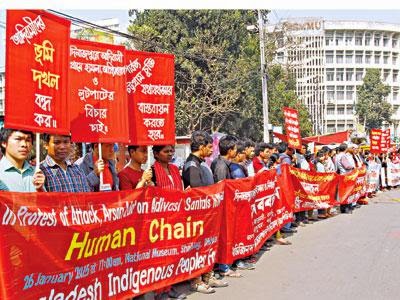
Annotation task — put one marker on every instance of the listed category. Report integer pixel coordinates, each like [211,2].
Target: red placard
[384,141]
[375,136]
[98,92]
[388,142]
[151,97]
[36,96]
[292,127]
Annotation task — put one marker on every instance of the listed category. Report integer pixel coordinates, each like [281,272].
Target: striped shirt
[60,180]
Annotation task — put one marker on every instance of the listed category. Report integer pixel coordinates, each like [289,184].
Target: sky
[382,15]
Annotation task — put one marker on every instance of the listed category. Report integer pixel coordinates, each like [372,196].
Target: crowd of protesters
[94,172]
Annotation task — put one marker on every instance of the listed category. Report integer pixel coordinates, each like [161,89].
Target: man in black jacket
[197,173]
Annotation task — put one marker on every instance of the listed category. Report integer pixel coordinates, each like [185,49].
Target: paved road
[353,256]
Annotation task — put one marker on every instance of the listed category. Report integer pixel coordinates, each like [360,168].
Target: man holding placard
[15,171]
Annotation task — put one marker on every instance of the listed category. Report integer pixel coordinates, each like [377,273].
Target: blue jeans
[223,268]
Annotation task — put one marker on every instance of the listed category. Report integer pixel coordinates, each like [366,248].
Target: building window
[330,110]
[340,127]
[329,41]
[358,39]
[349,110]
[340,92]
[349,57]
[349,40]
[394,43]
[330,128]
[385,41]
[339,74]
[339,57]
[377,58]
[329,57]
[395,96]
[349,75]
[386,75]
[349,93]
[339,39]
[340,111]
[359,59]
[395,75]
[368,59]
[367,39]
[330,74]
[386,58]
[377,40]
[359,75]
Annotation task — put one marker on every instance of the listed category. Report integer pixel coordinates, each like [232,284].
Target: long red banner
[122,244]
[309,190]
[103,245]
[36,91]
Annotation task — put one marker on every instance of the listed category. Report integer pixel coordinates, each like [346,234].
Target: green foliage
[281,93]
[217,68]
[372,108]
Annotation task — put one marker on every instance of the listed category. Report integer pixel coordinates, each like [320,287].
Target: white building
[97,35]
[329,60]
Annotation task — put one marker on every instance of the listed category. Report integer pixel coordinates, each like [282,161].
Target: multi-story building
[329,60]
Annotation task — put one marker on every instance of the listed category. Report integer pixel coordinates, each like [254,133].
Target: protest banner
[254,210]
[375,136]
[292,127]
[98,92]
[385,141]
[310,190]
[105,245]
[351,186]
[36,86]
[373,173]
[393,173]
[151,98]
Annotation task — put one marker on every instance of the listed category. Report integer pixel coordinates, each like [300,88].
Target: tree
[372,108]
[281,93]
[209,46]
[217,67]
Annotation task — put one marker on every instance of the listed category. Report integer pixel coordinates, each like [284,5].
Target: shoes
[242,265]
[202,288]
[295,224]
[231,273]
[307,221]
[252,259]
[173,293]
[217,283]
[302,224]
[290,230]
[162,296]
[283,242]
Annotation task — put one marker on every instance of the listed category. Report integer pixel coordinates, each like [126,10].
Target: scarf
[162,179]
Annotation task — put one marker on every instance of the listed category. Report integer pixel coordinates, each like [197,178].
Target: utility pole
[263,77]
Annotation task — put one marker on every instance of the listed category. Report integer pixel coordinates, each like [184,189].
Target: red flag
[37,44]
[375,136]
[98,92]
[292,127]
[151,96]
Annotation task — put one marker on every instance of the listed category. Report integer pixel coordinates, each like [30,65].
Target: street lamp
[263,74]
